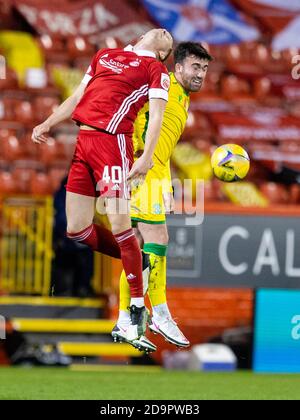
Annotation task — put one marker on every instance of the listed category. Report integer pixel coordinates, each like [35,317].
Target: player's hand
[140,168]
[169,202]
[38,133]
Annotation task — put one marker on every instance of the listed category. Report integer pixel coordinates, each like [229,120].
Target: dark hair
[185,49]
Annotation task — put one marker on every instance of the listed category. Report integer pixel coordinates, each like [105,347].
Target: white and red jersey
[119,83]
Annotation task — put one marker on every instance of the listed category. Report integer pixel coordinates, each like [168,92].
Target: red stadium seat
[263,91]
[6,132]
[22,177]
[40,184]
[56,175]
[197,126]
[12,149]
[247,59]
[111,42]
[218,53]
[7,183]
[237,90]
[30,149]
[276,193]
[24,112]
[44,106]
[78,46]
[54,50]
[232,85]
[210,192]
[10,81]
[52,152]
[295,194]
[7,109]
[51,44]
[69,142]
[276,63]
[262,87]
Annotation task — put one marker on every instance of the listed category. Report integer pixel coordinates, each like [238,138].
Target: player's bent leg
[119,333]
[118,214]
[155,245]
[80,226]
[161,321]
[79,212]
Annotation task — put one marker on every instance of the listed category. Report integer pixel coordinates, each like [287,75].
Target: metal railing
[26,245]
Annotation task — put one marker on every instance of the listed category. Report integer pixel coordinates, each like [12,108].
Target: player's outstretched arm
[144,163]
[63,112]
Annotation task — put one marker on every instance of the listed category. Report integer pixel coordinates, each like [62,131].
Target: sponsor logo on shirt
[112,64]
[165,81]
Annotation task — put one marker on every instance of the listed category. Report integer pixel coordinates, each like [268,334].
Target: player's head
[191,65]
[159,41]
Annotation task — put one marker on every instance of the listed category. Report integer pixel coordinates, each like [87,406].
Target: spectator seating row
[29,181]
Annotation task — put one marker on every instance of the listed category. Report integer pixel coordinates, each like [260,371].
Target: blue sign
[277,331]
[211,21]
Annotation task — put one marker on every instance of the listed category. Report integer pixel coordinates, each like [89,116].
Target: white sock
[124,319]
[161,311]
[138,302]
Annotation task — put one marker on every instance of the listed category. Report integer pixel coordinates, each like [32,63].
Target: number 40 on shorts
[112,174]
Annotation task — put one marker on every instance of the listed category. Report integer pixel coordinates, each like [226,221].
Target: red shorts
[101,164]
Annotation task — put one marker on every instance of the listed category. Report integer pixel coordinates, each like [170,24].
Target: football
[230,163]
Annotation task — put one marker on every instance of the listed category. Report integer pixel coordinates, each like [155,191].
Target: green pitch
[134,383]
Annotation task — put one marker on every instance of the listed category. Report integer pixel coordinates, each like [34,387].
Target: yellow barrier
[26,245]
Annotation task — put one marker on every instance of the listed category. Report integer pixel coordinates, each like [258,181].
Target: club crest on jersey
[165,81]
[135,63]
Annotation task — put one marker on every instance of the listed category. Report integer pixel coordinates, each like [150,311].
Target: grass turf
[64,384]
